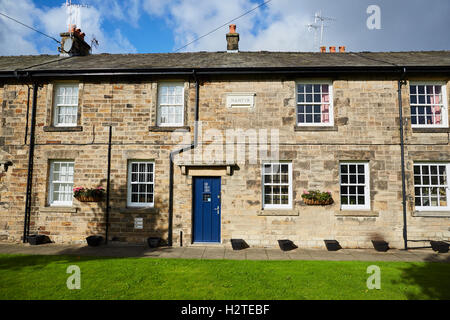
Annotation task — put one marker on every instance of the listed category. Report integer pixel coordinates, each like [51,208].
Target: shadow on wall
[122,220]
[432,278]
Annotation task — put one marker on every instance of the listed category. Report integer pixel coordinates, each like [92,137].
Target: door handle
[217,209]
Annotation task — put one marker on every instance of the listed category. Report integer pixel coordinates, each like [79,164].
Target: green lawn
[44,277]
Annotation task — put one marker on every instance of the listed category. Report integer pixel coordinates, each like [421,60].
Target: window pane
[142,176]
[276,183]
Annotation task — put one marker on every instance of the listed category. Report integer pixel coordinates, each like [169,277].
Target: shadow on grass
[432,278]
[28,258]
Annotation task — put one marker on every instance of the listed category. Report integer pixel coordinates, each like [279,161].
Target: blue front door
[206,209]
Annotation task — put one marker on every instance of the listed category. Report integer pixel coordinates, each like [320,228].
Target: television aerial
[318,24]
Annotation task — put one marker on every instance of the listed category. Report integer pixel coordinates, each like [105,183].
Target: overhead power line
[29,27]
[206,34]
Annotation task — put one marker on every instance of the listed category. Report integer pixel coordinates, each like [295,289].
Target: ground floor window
[354,183]
[61,183]
[431,186]
[140,183]
[277,189]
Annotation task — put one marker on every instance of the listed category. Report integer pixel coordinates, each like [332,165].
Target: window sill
[430,130]
[315,128]
[68,209]
[434,214]
[168,129]
[356,213]
[137,210]
[278,212]
[63,129]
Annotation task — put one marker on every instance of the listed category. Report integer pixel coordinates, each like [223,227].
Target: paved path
[206,252]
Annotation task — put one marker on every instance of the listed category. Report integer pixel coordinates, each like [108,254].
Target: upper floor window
[277,185]
[140,183]
[314,104]
[171,104]
[428,105]
[355,193]
[66,104]
[431,186]
[61,183]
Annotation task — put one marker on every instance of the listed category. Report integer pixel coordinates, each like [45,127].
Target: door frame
[193,210]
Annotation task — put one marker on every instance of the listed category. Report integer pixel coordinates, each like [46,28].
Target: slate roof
[223,60]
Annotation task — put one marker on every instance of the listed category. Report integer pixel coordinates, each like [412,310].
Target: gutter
[175,152]
[228,71]
[402,82]
[108,184]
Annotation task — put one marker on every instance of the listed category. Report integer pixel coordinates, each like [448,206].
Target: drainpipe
[175,152]
[28,112]
[402,82]
[108,185]
[26,224]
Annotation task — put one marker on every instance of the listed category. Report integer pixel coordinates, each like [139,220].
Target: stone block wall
[366,127]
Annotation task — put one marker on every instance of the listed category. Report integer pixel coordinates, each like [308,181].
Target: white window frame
[278,206]
[444,107]
[51,200]
[331,108]
[434,208]
[129,184]
[56,106]
[366,205]
[181,106]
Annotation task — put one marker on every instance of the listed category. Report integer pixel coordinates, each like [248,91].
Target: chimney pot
[342,49]
[323,49]
[77,46]
[232,39]
[333,49]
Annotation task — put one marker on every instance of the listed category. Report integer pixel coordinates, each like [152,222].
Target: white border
[444,112]
[55,107]
[330,92]
[434,208]
[50,188]
[139,204]
[158,108]
[277,206]
[366,206]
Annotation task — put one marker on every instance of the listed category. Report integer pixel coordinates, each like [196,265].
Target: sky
[147,26]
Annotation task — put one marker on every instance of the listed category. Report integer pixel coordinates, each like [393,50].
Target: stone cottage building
[204,147]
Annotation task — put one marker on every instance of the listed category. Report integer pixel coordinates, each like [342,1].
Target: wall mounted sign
[241,100]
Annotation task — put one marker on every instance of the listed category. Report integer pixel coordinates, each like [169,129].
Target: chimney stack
[232,39]
[323,49]
[73,44]
[342,49]
[333,49]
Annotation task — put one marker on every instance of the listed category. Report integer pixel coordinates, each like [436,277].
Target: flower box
[380,245]
[286,245]
[88,194]
[239,244]
[89,198]
[314,202]
[37,239]
[332,245]
[439,246]
[153,242]
[94,241]
[317,198]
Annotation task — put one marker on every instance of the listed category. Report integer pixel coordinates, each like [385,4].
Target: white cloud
[53,21]
[279,26]
[15,38]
